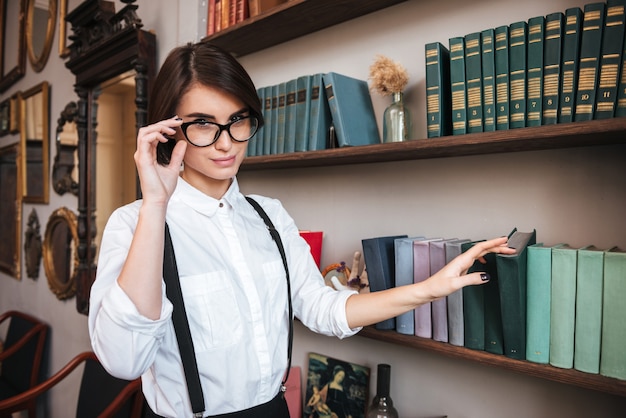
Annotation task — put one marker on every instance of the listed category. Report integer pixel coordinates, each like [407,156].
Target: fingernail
[176,117]
[484,277]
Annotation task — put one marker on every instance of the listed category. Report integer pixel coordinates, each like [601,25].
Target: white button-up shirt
[235,292]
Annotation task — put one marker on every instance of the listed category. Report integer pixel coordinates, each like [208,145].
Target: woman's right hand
[158,181]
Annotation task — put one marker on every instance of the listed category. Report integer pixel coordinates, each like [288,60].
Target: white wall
[574,195]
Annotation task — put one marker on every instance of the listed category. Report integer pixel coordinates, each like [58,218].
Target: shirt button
[221,205]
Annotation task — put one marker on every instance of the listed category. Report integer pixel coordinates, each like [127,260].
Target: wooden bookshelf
[291,20]
[567,135]
[566,376]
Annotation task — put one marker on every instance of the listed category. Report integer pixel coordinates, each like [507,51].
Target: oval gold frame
[39,62]
[62,289]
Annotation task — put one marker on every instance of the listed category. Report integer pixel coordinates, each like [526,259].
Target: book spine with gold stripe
[473,77]
[588,69]
[438,98]
[552,67]
[610,59]
[534,77]
[569,64]
[501,58]
[518,42]
[489,80]
[457,85]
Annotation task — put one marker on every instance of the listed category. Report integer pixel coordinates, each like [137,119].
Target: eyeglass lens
[204,133]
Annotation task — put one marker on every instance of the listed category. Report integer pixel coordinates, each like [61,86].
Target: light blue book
[303,110]
[319,118]
[403,247]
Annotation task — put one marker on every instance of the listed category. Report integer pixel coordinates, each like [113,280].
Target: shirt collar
[200,202]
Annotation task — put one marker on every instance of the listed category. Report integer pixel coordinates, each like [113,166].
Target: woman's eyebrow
[200,115]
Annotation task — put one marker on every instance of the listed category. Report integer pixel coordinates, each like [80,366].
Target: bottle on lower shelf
[382,404]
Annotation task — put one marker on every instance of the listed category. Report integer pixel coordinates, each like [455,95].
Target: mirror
[32,245]
[64,169]
[41,19]
[12,53]
[60,255]
[10,210]
[35,142]
[106,45]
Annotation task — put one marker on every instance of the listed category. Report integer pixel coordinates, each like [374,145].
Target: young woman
[204,109]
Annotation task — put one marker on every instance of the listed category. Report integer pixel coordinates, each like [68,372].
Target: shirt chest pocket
[212,311]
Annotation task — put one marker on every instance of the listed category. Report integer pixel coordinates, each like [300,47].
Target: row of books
[299,114]
[552,305]
[224,13]
[558,68]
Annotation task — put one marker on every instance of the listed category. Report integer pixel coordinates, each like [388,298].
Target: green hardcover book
[552,67]
[319,118]
[303,110]
[502,77]
[438,98]
[474,308]
[538,301]
[278,145]
[612,358]
[588,327]
[474,82]
[518,42]
[610,59]
[290,116]
[534,77]
[563,306]
[512,278]
[489,79]
[494,335]
[269,146]
[457,85]
[590,51]
[569,64]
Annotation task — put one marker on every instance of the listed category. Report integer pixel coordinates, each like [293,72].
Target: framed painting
[12,42]
[5,117]
[10,210]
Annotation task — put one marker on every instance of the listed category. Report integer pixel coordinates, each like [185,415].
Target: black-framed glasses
[202,133]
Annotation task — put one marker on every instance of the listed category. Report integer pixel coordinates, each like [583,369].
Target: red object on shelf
[314,239]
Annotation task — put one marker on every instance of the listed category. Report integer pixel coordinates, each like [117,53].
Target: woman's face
[210,169]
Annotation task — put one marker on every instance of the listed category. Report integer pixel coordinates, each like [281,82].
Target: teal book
[253,143]
[588,326]
[456,334]
[612,358]
[489,79]
[569,64]
[534,77]
[589,67]
[610,60]
[438,97]
[303,110]
[563,306]
[267,116]
[457,85]
[552,67]
[474,82]
[620,106]
[319,118]
[290,116]
[473,308]
[538,302]
[403,252]
[501,58]
[379,258]
[512,280]
[421,272]
[351,109]
[270,145]
[518,42]
[280,124]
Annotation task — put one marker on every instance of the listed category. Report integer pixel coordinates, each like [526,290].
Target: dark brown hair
[202,63]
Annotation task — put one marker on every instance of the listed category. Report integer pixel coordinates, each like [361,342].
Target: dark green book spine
[569,64]
[457,85]
[552,67]
[473,77]
[502,77]
[590,47]
[518,41]
[438,97]
[534,79]
[610,60]
[489,80]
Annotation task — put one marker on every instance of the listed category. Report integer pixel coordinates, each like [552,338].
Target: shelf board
[566,135]
[291,20]
[566,376]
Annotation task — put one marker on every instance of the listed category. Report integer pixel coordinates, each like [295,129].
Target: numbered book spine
[457,83]
[502,77]
[438,98]
[290,117]
[279,142]
[489,80]
[518,41]
[536,30]
[303,110]
[254,141]
[569,64]
[610,60]
[590,47]
[552,67]
[473,79]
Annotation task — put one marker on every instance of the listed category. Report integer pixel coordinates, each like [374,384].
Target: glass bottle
[382,405]
[397,120]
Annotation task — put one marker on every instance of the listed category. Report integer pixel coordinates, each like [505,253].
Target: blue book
[267,129]
[278,145]
[303,110]
[290,116]
[403,251]
[253,142]
[270,145]
[319,118]
[352,110]
[456,334]
[439,307]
